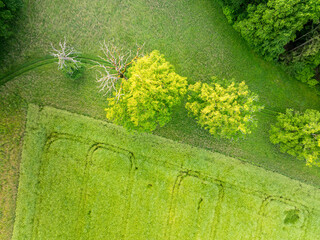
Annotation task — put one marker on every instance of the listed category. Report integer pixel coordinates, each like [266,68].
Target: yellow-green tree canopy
[150,93]
[226,109]
[298,134]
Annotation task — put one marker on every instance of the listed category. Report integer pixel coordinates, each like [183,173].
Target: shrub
[298,134]
[305,72]
[225,108]
[150,93]
[73,70]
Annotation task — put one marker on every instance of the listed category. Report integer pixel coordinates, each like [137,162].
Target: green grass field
[194,36]
[85,179]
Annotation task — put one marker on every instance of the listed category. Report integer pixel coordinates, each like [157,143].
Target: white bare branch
[64,54]
[113,73]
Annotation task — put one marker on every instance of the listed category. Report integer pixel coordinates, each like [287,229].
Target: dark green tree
[8,12]
[269,26]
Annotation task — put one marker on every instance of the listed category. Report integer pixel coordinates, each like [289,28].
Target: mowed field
[85,179]
[194,36]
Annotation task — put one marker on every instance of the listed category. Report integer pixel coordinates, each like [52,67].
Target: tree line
[143,91]
[283,31]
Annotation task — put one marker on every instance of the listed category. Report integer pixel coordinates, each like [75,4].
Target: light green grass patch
[87,179]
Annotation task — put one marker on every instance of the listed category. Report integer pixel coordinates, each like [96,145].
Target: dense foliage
[8,11]
[307,70]
[298,134]
[285,31]
[226,108]
[270,26]
[236,10]
[150,93]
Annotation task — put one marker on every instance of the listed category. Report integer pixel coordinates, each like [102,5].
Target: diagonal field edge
[243,191]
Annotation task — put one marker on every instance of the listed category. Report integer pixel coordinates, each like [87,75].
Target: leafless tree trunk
[65,54]
[112,74]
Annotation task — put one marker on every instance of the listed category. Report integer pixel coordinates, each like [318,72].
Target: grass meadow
[102,182]
[192,34]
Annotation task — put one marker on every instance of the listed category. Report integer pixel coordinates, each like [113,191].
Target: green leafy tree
[305,70]
[284,31]
[269,26]
[149,94]
[236,10]
[8,12]
[298,134]
[225,108]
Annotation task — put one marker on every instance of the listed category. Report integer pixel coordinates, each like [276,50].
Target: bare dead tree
[65,54]
[112,73]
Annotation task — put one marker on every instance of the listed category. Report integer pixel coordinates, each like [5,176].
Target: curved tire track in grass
[25,68]
[48,59]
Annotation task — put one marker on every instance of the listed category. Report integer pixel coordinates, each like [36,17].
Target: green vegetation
[269,34]
[195,38]
[8,12]
[225,108]
[9,15]
[236,10]
[298,134]
[152,90]
[105,183]
[288,31]
[73,71]
[305,59]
